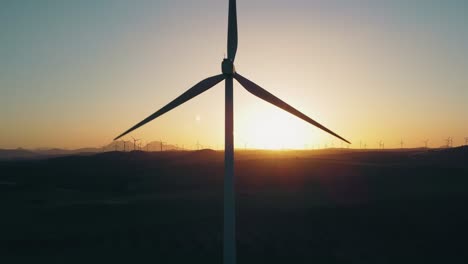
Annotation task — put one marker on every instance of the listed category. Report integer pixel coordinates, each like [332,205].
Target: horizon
[77,74]
[175,147]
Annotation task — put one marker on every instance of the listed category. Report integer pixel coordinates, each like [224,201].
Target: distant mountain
[18,153]
[9,154]
[129,146]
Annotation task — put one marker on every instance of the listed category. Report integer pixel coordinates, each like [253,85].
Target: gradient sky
[78,73]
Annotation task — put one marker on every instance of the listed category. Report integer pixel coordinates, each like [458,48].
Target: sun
[273,129]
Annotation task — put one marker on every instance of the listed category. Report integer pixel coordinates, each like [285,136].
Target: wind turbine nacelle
[228,67]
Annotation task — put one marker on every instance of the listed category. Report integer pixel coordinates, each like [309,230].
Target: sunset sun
[270,128]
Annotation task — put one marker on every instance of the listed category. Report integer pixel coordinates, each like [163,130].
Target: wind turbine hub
[228,67]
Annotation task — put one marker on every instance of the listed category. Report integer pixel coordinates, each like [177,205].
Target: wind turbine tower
[162,144]
[229,74]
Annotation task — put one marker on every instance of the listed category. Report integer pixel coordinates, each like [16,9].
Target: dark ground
[292,207]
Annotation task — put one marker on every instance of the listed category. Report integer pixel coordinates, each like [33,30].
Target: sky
[78,73]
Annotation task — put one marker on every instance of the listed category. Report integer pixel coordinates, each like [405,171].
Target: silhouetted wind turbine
[449,142]
[426,143]
[134,142]
[381,144]
[228,75]
[125,145]
[162,144]
[401,143]
[466,141]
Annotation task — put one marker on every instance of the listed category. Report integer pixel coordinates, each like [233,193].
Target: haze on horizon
[77,73]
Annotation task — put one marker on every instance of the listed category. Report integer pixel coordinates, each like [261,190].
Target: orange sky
[78,74]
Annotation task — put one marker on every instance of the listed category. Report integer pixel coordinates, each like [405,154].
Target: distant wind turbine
[228,75]
[381,144]
[466,141]
[162,144]
[401,143]
[426,143]
[134,142]
[125,145]
[449,141]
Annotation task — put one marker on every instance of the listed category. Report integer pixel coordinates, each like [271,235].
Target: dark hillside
[300,207]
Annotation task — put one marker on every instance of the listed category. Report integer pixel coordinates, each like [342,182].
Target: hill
[333,206]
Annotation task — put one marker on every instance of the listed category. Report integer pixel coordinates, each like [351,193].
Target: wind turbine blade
[265,95]
[189,94]
[232,30]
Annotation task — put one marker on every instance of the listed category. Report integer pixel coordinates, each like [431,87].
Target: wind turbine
[401,143]
[134,143]
[162,144]
[228,75]
[449,142]
[466,141]
[125,145]
[380,144]
[426,143]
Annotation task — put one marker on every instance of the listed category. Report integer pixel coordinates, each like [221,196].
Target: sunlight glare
[271,128]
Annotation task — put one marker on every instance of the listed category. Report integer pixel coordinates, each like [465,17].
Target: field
[328,206]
